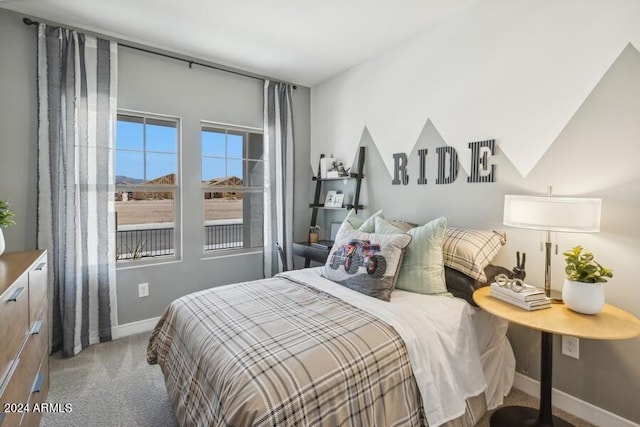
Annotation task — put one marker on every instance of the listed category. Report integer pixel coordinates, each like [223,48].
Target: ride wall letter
[448,165]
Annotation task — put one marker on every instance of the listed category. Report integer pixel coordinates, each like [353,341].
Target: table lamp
[547,213]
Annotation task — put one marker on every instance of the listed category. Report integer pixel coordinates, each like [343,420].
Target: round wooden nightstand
[612,323]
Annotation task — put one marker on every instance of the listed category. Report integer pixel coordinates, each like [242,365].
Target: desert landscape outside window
[232,187]
[147,190]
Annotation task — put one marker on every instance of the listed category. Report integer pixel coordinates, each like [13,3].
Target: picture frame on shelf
[329,200]
[337,200]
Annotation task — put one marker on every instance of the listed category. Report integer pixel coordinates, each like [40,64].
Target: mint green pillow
[422,269]
[369,224]
[353,222]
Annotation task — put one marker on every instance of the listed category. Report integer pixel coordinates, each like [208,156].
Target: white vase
[585,298]
[1,242]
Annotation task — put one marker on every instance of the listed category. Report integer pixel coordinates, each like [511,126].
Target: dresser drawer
[37,288]
[14,323]
[16,394]
[25,375]
[39,393]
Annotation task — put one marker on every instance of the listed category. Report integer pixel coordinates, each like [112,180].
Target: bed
[298,349]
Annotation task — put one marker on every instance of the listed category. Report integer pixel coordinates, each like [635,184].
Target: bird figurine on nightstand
[518,270]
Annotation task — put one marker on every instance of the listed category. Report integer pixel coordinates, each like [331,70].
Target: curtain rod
[28,21]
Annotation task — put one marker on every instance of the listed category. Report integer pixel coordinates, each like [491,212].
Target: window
[232,187]
[146,169]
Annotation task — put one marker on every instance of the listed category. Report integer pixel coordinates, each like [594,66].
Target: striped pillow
[470,251]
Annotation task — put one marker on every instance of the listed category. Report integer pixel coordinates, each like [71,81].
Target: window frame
[206,125]
[175,188]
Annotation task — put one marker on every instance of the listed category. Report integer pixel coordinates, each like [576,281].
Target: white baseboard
[134,328]
[588,412]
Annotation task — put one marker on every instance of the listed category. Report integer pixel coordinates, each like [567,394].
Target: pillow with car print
[367,262]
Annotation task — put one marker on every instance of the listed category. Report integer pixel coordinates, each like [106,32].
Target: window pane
[213,169]
[255,174]
[233,219]
[161,168]
[222,205]
[129,135]
[129,167]
[145,224]
[253,209]
[213,143]
[233,212]
[234,146]
[162,137]
[255,148]
[234,168]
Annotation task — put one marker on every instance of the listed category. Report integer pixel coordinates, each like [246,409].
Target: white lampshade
[569,214]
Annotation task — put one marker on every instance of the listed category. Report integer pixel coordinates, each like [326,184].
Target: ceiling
[297,41]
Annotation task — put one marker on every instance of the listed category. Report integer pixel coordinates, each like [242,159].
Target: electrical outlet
[143,290]
[571,346]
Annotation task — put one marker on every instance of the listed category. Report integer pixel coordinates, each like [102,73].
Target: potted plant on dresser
[583,291]
[6,219]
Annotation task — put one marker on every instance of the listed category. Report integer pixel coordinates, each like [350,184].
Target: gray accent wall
[18,124]
[150,83]
[146,83]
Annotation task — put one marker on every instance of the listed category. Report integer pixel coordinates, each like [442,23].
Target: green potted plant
[6,219]
[583,291]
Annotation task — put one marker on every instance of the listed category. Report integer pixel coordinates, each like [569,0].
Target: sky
[221,154]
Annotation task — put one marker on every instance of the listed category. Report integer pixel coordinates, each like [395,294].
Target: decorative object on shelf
[337,169]
[313,233]
[337,200]
[324,166]
[353,201]
[519,271]
[329,200]
[566,214]
[6,219]
[583,290]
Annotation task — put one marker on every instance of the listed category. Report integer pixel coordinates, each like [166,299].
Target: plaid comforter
[276,352]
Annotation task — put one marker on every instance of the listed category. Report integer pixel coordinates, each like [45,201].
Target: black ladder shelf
[358,175]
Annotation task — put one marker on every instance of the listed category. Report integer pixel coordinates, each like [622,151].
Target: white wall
[516,70]
[557,85]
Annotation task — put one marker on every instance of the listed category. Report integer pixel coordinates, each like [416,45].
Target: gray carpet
[111,385]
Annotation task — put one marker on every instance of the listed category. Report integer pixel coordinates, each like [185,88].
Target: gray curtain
[278,210]
[76,224]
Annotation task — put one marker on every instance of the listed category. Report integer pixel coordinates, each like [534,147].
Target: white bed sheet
[441,342]
[496,355]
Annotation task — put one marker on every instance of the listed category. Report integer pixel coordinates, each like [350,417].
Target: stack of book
[530,298]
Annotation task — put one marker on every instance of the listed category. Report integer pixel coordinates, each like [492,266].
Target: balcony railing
[223,235]
[152,240]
